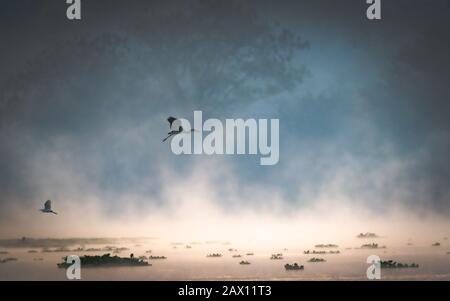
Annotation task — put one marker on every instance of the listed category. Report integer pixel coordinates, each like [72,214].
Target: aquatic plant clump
[321,252]
[157,257]
[390,264]
[8,259]
[293,267]
[106,260]
[314,259]
[372,246]
[276,256]
[328,246]
[367,235]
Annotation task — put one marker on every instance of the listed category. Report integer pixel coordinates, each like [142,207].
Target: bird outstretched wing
[171,120]
[175,123]
[48,205]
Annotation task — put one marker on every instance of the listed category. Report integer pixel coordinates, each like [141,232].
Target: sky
[363,109]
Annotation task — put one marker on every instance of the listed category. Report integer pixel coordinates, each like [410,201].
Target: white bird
[48,207]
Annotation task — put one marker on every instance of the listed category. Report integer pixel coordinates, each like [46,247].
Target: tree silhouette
[220,52]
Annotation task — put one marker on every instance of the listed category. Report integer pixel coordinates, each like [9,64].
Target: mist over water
[195,220]
[363,145]
[191,263]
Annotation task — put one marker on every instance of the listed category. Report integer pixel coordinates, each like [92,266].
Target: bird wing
[170,135]
[171,120]
[48,205]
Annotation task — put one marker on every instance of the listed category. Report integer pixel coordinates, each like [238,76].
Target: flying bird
[173,124]
[48,207]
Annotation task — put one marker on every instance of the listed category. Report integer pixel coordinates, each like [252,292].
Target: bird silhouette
[175,125]
[48,207]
